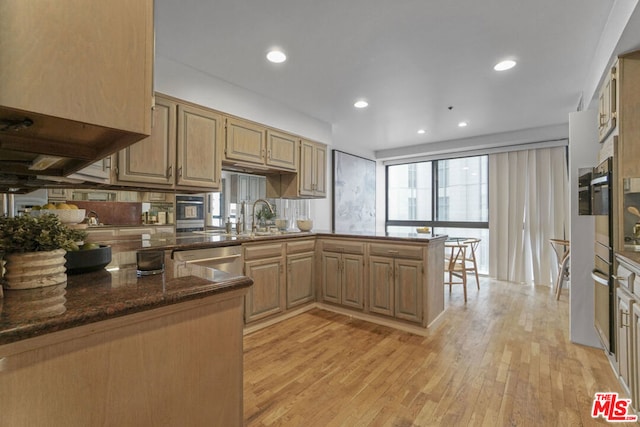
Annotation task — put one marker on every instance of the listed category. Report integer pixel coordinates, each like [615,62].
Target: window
[459,188]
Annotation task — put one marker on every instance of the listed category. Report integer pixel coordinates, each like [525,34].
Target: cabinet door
[265,296]
[607,105]
[99,172]
[320,171]
[152,160]
[381,280]
[636,352]
[331,277]
[89,62]
[353,280]
[306,171]
[299,279]
[245,141]
[408,289]
[200,135]
[623,336]
[282,150]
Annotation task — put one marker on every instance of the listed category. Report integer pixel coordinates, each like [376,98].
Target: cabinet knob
[170,171]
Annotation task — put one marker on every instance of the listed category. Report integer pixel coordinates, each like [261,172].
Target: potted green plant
[34,250]
[265,216]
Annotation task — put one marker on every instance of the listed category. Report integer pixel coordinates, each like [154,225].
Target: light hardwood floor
[503,359]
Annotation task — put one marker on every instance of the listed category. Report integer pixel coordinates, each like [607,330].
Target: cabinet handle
[107,163]
[392,252]
[180,171]
[602,117]
[624,315]
[269,154]
[170,171]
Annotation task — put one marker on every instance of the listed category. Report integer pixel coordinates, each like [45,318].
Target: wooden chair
[455,260]
[561,249]
[471,262]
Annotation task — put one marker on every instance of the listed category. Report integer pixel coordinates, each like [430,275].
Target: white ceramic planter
[32,270]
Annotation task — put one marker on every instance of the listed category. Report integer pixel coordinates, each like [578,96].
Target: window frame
[435,201]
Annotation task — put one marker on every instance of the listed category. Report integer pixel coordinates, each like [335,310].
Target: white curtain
[528,205]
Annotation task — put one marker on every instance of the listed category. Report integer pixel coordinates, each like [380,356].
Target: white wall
[583,153]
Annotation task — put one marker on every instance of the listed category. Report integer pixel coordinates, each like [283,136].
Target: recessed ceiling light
[421,131]
[505,65]
[361,104]
[462,124]
[276,56]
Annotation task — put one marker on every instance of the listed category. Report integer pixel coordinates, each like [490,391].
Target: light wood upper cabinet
[99,172]
[310,181]
[183,151]
[313,161]
[255,146]
[81,72]
[152,160]
[245,142]
[282,150]
[607,104]
[200,135]
[628,125]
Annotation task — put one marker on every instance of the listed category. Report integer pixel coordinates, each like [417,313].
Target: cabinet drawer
[396,251]
[625,277]
[343,246]
[301,246]
[262,251]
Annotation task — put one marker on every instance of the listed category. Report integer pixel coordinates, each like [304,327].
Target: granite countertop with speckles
[117,291]
[105,294]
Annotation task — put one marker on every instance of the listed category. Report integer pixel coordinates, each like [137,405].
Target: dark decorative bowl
[85,261]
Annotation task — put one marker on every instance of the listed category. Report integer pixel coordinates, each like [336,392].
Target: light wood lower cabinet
[264,263]
[343,279]
[395,287]
[624,337]
[300,272]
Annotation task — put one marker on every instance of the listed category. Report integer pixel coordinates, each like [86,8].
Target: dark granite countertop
[105,294]
[198,240]
[117,291]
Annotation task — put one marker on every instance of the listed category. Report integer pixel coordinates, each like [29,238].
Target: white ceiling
[411,59]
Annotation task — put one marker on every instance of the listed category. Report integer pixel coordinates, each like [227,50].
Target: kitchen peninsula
[116,349]
[180,334]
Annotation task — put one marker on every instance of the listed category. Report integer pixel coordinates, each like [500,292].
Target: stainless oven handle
[220,258]
[595,275]
[600,180]
[189,202]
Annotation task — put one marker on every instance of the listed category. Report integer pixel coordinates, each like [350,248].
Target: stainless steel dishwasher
[224,258]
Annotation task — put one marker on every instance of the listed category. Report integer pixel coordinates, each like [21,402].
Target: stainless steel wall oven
[190,212]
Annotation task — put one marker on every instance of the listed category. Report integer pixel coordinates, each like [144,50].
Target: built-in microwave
[601,188]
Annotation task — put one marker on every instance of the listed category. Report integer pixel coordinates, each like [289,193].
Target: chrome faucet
[253,221]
